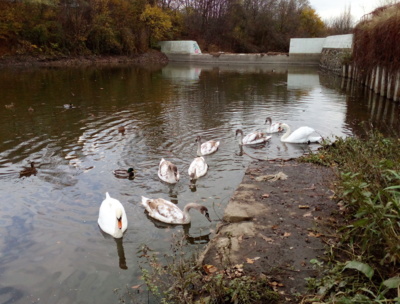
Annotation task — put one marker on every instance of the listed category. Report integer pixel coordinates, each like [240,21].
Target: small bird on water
[28,171]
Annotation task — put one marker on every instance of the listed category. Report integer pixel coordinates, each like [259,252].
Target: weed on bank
[363,267]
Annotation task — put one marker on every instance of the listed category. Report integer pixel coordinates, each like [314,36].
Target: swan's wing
[104,219]
[164,211]
[275,127]
[198,167]
[255,138]
[209,147]
[107,215]
[164,171]
[300,135]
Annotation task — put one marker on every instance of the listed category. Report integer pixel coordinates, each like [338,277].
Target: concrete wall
[302,51]
[180,47]
[306,45]
[338,42]
[336,50]
[222,58]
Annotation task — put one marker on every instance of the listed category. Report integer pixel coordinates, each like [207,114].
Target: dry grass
[375,40]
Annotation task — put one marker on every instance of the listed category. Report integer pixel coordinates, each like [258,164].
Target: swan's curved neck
[186,215]
[287,128]
[239,136]
[199,147]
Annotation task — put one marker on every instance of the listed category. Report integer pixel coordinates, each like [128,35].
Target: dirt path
[275,226]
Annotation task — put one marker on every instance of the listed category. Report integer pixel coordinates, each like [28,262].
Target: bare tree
[342,24]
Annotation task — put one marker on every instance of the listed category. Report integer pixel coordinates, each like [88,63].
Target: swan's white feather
[163,210]
[167,212]
[207,147]
[198,167]
[110,210]
[166,172]
[253,138]
[273,127]
[300,135]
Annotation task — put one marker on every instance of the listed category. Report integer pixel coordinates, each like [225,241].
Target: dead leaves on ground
[316,235]
[251,261]
[209,269]
[233,272]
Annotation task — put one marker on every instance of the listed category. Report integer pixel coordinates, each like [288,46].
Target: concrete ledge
[301,59]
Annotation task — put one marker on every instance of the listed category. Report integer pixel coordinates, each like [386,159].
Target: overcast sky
[327,9]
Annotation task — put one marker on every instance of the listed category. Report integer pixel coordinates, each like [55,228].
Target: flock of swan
[112,216]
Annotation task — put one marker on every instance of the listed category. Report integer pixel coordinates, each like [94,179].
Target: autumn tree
[311,24]
[157,23]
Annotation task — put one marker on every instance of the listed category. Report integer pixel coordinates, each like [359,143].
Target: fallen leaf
[274,227]
[265,195]
[267,239]
[317,235]
[308,214]
[209,268]
[286,234]
[136,286]
[250,261]
[276,284]
[304,207]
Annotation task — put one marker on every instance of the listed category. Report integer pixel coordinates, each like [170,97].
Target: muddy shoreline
[151,58]
[280,218]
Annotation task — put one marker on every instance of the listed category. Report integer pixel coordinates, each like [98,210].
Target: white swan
[252,138]
[168,212]
[112,217]
[197,168]
[168,172]
[207,147]
[273,127]
[300,135]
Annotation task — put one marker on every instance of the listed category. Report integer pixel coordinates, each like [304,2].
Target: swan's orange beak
[120,223]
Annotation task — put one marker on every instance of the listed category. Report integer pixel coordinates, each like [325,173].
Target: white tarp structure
[338,42]
[306,45]
[315,45]
[180,47]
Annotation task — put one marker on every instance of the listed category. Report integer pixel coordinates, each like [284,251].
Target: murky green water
[51,249]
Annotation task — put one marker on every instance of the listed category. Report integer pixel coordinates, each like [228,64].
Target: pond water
[51,249]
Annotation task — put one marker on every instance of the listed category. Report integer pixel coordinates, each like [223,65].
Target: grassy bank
[363,267]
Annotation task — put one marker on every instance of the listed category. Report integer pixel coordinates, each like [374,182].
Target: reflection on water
[50,245]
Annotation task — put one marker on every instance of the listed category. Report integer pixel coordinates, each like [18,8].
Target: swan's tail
[107,195]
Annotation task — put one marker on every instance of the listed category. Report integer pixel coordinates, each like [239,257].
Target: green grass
[364,265]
